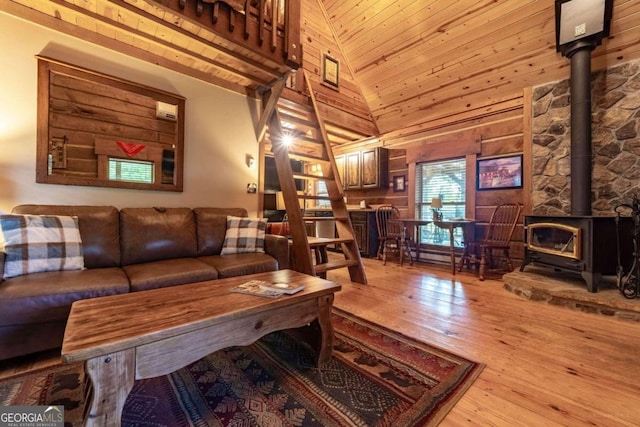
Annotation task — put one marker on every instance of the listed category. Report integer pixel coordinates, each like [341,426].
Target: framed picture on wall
[498,173]
[330,71]
[399,183]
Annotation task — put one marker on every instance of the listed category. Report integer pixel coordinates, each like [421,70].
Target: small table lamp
[436,205]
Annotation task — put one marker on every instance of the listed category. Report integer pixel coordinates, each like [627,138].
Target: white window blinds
[445,180]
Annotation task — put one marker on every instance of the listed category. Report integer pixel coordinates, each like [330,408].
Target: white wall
[218,127]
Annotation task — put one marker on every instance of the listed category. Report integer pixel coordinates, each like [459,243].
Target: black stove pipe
[581,166]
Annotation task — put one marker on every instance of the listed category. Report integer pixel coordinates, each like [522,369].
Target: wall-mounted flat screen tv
[271,182]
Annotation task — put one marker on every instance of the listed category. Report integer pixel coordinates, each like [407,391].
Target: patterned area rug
[376,377]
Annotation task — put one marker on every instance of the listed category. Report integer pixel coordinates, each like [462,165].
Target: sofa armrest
[278,247]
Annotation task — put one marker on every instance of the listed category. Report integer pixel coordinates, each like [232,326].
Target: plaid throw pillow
[37,243]
[244,235]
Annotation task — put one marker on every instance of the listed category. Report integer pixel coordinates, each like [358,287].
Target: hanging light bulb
[287,138]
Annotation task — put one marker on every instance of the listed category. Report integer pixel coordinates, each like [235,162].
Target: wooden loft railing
[250,24]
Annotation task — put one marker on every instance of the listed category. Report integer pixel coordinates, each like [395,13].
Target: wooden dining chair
[501,227]
[391,234]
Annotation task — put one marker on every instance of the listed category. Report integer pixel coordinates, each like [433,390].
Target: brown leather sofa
[127,250]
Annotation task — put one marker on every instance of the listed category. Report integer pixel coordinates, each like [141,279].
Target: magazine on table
[286,288]
[252,287]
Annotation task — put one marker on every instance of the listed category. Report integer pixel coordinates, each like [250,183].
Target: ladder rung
[318,218]
[323,218]
[309,176]
[295,120]
[334,265]
[304,156]
[294,106]
[309,139]
[311,197]
[315,242]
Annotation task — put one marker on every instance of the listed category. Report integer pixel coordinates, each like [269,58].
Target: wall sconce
[250,161]
[436,205]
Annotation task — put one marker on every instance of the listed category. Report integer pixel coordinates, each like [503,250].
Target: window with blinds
[445,180]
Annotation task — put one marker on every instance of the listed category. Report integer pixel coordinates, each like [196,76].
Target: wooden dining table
[468,226]
[468,231]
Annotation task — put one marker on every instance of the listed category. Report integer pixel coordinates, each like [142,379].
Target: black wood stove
[583,244]
[580,242]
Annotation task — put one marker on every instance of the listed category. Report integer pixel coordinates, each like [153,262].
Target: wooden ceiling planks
[419,61]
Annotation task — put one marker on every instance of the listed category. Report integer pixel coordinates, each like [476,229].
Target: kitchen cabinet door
[353,171]
[375,167]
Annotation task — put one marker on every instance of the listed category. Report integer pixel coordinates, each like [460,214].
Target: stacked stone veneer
[615,106]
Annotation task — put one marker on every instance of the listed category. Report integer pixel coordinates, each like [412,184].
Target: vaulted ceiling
[412,61]
[416,60]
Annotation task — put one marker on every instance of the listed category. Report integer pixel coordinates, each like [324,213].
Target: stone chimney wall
[615,106]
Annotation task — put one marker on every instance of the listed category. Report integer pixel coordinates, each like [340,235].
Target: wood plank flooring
[545,365]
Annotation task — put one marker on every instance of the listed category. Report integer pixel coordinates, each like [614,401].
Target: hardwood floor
[545,365]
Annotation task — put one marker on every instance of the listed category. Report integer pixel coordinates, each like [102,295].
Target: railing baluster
[261,20]
[274,24]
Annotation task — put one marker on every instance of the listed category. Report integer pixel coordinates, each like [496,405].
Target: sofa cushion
[244,235]
[170,272]
[43,297]
[99,230]
[241,264]
[37,243]
[153,234]
[211,227]
[18,340]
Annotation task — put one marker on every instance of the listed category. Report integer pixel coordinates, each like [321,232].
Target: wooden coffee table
[122,338]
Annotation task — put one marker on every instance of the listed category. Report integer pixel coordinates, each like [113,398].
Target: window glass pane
[130,170]
[445,180]
[321,190]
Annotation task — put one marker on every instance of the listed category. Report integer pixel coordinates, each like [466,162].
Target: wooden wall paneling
[470,117]
[411,189]
[346,120]
[502,145]
[445,147]
[495,197]
[397,163]
[510,126]
[470,187]
[345,107]
[527,158]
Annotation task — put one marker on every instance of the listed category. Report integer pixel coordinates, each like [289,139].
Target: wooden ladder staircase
[303,126]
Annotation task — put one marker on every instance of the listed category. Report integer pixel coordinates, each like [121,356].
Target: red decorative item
[130,148]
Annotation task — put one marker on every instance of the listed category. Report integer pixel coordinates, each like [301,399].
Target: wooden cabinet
[364,168]
[365,231]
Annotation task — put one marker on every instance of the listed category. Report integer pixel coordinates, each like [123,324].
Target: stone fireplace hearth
[567,290]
